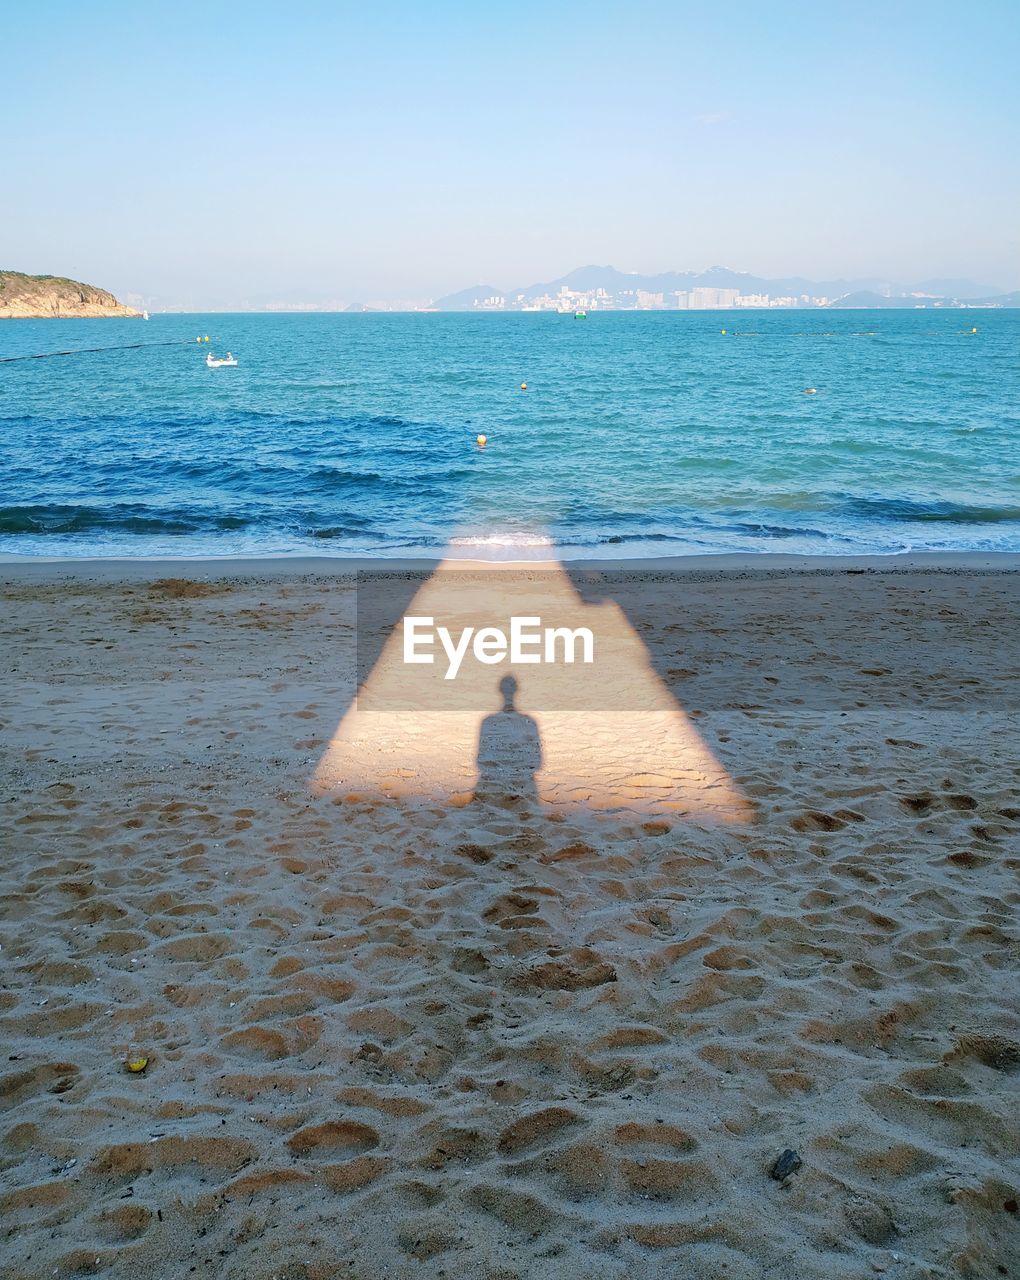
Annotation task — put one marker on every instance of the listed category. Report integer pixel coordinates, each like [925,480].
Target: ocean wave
[505,539]
[618,539]
[333,478]
[762,529]
[702,532]
[354,529]
[915,510]
[135,519]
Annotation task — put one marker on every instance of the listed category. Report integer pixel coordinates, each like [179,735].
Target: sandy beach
[413,1008]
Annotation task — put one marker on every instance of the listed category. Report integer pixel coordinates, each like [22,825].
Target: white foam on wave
[502,540]
[504,544]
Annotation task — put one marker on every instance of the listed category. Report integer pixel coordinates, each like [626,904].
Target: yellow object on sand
[136,1065]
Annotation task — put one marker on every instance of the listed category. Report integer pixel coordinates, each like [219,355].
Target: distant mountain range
[622,285]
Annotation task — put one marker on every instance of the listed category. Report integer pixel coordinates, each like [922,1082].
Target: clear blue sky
[205,153]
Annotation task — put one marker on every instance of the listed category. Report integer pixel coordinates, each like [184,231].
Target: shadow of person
[509,751]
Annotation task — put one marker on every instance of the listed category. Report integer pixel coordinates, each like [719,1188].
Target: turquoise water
[639,433]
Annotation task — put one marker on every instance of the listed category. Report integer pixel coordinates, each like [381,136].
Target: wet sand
[404,1020]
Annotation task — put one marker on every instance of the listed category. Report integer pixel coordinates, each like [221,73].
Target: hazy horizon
[325,154]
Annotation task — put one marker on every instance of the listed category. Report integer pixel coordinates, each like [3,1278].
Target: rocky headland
[25,297]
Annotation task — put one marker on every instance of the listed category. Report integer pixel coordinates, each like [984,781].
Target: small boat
[580,315]
[145,315]
[212,363]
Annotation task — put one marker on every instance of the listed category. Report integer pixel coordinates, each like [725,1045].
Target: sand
[406,1015]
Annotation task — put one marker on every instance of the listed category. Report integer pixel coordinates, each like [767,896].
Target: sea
[623,434]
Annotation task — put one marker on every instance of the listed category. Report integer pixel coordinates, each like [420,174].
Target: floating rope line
[84,351]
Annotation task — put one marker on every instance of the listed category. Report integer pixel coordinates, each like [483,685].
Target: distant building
[704,299]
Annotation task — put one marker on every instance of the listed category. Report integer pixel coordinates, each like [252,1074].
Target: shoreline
[15,568]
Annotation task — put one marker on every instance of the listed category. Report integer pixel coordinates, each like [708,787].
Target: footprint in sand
[335,1136]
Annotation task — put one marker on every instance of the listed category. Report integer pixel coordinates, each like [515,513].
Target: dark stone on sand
[789,1162]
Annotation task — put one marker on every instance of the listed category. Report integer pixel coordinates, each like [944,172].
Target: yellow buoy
[524,386]
[974,330]
[722,330]
[481,441]
[207,337]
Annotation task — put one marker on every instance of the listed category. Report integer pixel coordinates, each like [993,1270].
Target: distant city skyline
[197,156]
[596,288]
